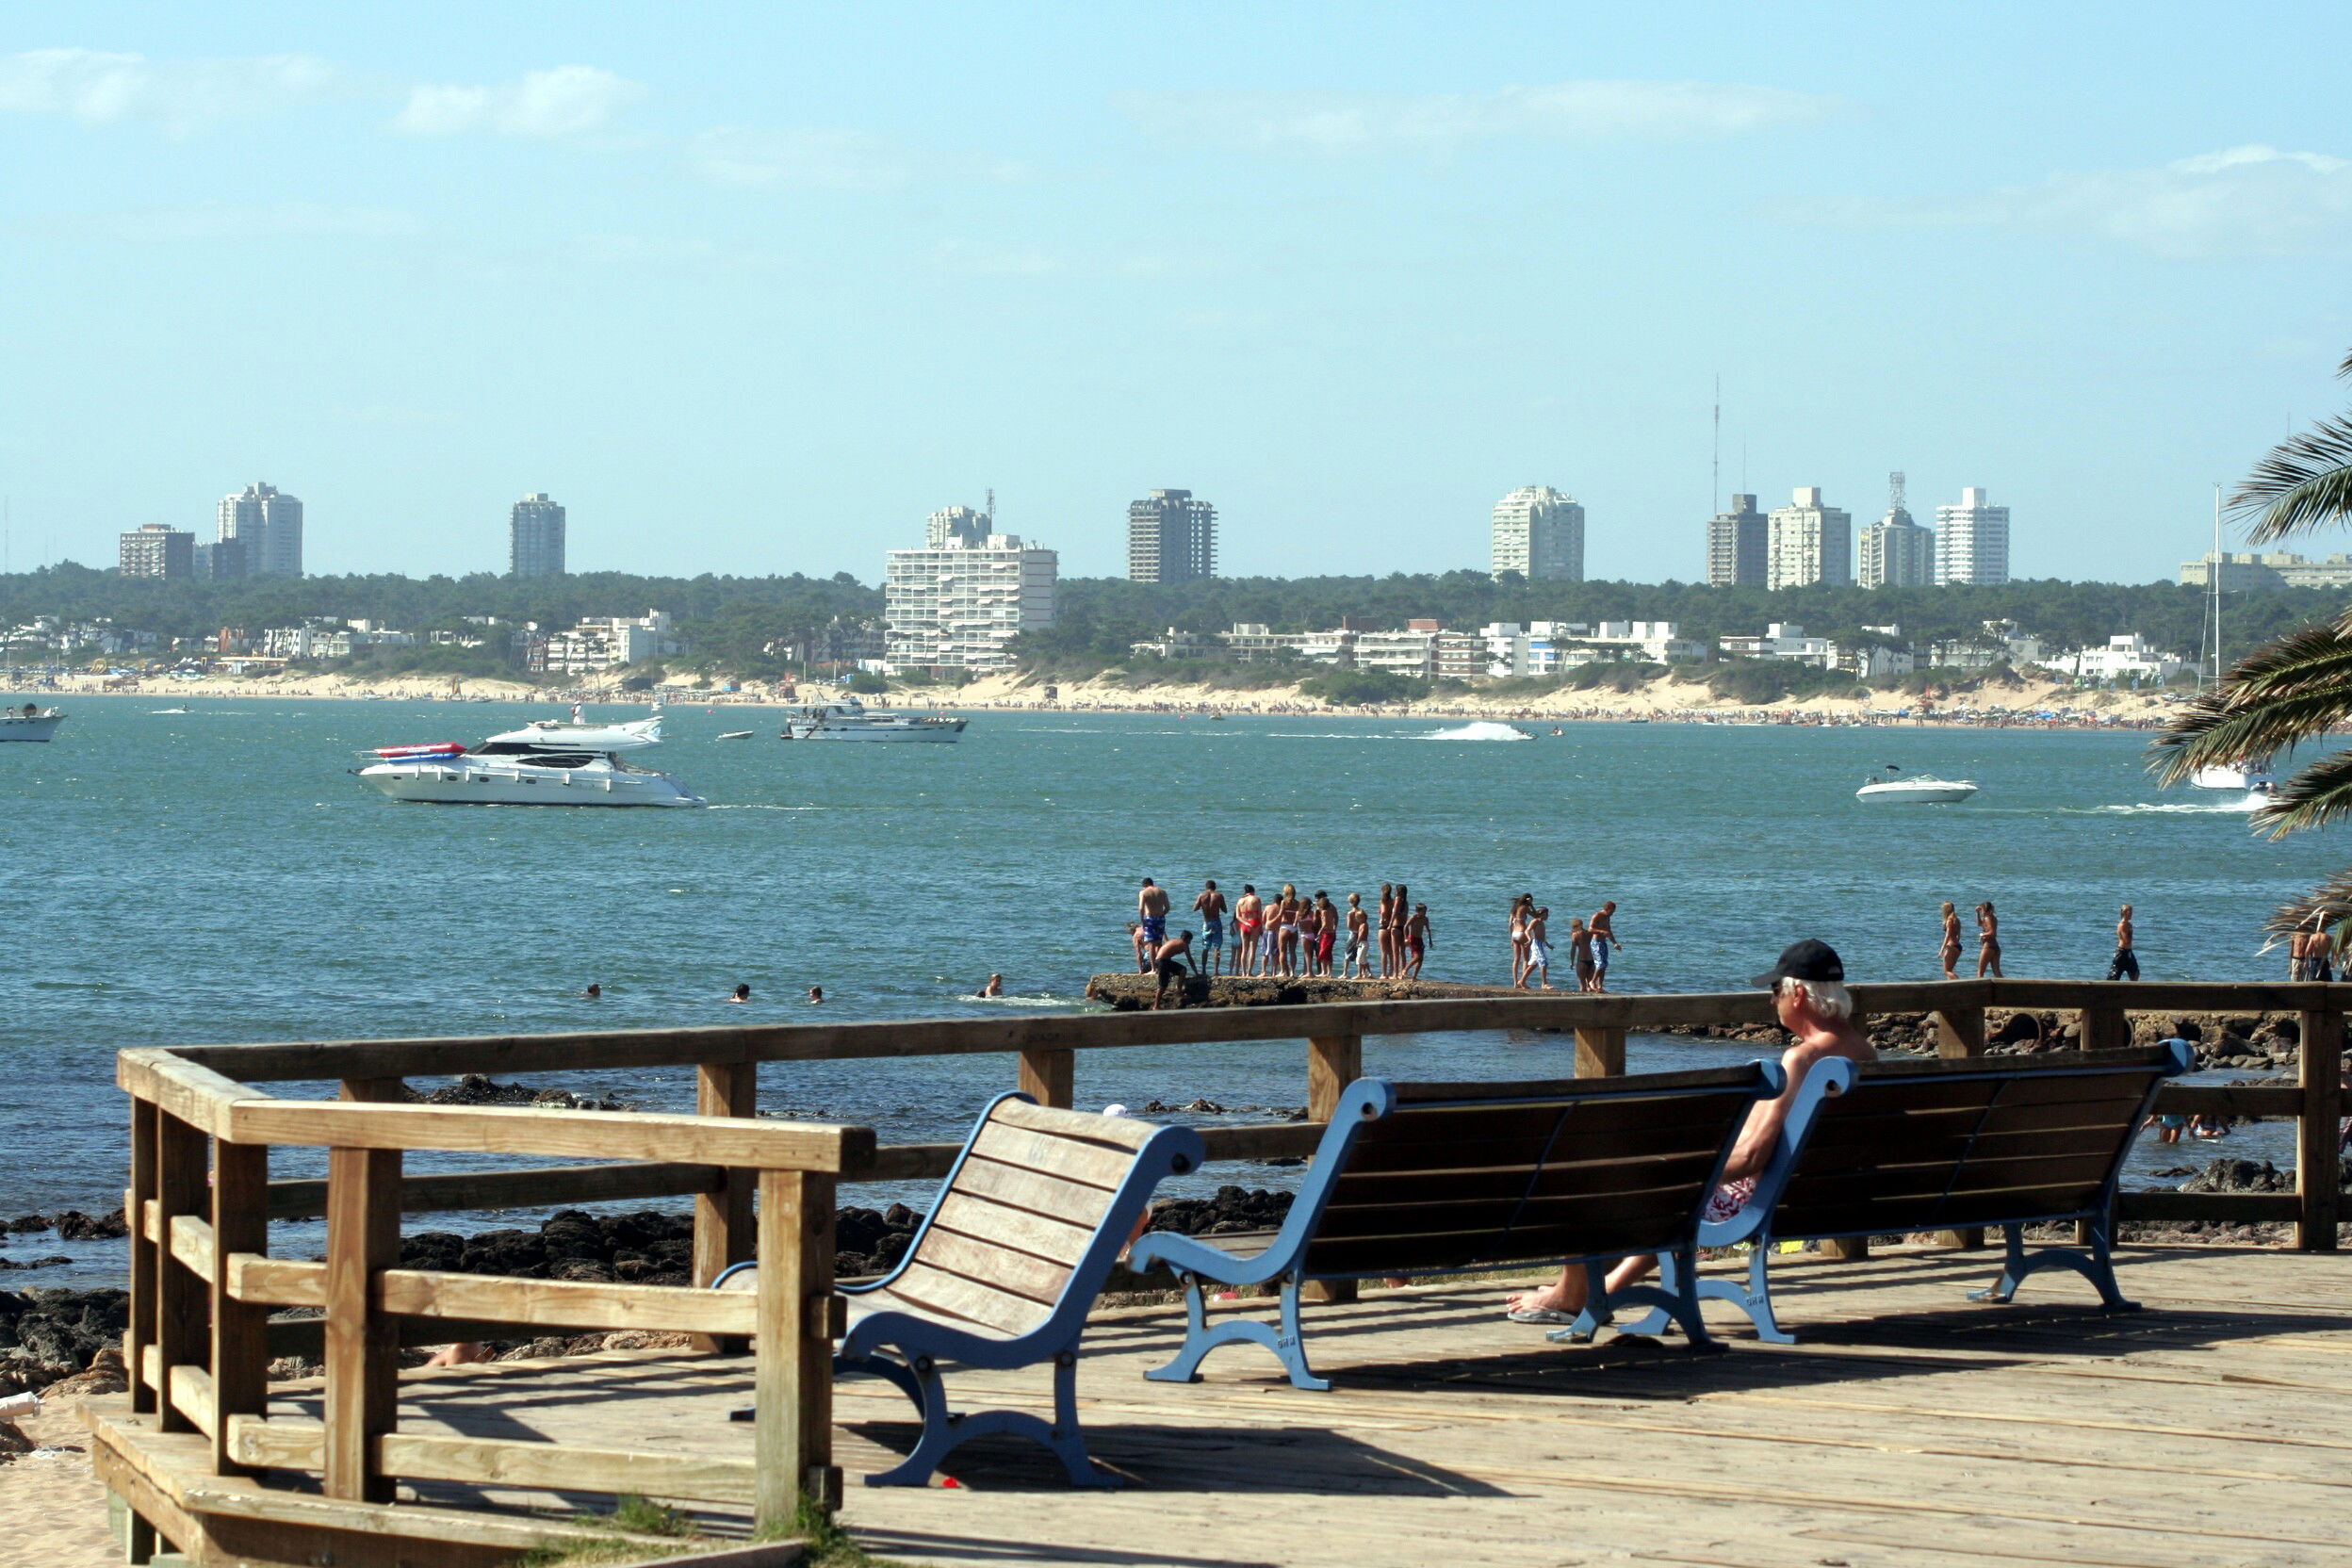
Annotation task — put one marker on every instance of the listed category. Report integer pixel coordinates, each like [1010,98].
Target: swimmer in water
[743,993]
[816,996]
[994,988]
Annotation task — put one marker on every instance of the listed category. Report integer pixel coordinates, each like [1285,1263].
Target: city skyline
[799,264]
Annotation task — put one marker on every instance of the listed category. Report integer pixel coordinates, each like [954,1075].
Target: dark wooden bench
[1450,1178]
[1891,1147]
[1026,1228]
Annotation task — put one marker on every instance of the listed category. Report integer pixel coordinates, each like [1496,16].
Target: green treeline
[730,620]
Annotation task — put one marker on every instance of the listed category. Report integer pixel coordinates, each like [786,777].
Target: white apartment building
[607,643]
[2129,658]
[1972,541]
[1539,534]
[2266,572]
[1781,639]
[1411,653]
[959,606]
[267,529]
[1808,541]
[1896,552]
[534,537]
[1546,647]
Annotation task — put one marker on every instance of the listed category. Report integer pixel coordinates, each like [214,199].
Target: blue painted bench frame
[1201,1264]
[1835,1077]
[922,1343]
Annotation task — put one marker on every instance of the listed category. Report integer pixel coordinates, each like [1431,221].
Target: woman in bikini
[1310,933]
[1385,928]
[1951,941]
[1249,918]
[1988,935]
[1519,908]
[1286,931]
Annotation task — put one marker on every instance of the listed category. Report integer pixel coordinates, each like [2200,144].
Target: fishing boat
[1918,789]
[31,722]
[846,719]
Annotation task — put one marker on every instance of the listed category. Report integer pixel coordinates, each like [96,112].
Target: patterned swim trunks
[1728,1200]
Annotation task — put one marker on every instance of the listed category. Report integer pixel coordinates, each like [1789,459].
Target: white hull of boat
[2231,775]
[39,728]
[881,729]
[1916,791]
[502,781]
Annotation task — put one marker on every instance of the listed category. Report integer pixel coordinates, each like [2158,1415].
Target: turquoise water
[217,875]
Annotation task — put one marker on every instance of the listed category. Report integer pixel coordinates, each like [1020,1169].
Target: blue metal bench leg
[2097,1265]
[1754,1299]
[944,1430]
[1287,1341]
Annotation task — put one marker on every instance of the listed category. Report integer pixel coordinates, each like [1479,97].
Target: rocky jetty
[1128,993]
[49,1335]
[476,1089]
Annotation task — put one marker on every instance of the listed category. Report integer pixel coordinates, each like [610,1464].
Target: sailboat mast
[2212,585]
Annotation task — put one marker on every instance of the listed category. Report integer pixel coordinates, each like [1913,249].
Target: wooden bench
[1450,1178]
[1002,1271]
[1889,1146]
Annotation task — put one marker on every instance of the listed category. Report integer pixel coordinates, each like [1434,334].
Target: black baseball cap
[1811,959]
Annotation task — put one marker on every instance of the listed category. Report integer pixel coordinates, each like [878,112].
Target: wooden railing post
[1600,1052]
[363,1383]
[1051,1078]
[723,1222]
[145,1274]
[792,1375]
[1960,1034]
[1334,1062]
[240,1333]
[183,1300]
[2316,1159]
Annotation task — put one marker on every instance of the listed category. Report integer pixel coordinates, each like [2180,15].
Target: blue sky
[753,289]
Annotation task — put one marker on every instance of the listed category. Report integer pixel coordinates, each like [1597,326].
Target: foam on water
[1483,729]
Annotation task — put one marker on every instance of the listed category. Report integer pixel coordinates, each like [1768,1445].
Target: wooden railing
[203,1284]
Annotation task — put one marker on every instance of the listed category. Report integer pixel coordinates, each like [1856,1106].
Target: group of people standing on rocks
[1588,945]
[1289,936]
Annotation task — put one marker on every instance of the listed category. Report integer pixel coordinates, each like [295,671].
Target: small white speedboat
[31,722]
[2249,774]
[1918,789]
[848,720]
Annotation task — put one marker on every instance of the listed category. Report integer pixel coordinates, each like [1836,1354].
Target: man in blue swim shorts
[1211,908]
[1151,911]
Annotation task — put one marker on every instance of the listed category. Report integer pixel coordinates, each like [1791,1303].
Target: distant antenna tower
[991,509]
[1894,491]
[1715,478]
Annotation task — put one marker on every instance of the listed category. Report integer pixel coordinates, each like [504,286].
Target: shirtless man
[1151,911]
[994,988]
[1167,963]
[2127,963]
[1809,988]
[1581,952]
[1327,923]
[1388,930]
[1249,917]
[1604,930]
[1416,940]
[1143,949]
[1211,908]
[1359,939]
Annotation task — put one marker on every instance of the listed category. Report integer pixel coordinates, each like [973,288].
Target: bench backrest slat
[1094,1165]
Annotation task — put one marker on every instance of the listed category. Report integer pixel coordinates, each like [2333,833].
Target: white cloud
[832,160]
[98,88]
[2242,202]
[567,101]
[1347,122]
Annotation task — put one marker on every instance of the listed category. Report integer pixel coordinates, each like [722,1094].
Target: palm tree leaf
[2304,482]
[2314,796]
[2283,693]
[2329,904]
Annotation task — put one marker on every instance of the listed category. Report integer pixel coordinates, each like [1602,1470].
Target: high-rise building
[958,605]
[534,538]
[1895,551]
[267,526]
[157,550]
[1171,537]
[1539,534]
[1972,540]
[1808,542]
[1737,555]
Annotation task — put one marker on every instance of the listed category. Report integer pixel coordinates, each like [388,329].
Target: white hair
[1826,997]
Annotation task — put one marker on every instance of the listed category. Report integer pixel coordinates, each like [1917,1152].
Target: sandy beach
[53,1510]
[1664,700]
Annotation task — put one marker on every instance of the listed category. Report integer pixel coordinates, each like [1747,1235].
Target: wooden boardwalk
[1911,1426]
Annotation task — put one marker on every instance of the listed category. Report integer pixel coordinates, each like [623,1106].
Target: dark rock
[571,1234]
[2240,1176]
[890,1249]
[443,1250]
[857,1231]
[505,1252]
[33,1263]
[2188,1029]
[1232,1209]
[74,1225]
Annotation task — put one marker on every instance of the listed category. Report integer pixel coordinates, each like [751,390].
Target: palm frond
[2313,797]
[2329,904]
[2305,482]
[2280,695]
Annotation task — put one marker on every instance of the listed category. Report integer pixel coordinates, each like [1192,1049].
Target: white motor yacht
[1918,789]
[31,722]
[522,773]
[2249,774]
[846,719]
[579,732]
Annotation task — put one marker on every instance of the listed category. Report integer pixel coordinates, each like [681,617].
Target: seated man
[1809,994]
[1167,963]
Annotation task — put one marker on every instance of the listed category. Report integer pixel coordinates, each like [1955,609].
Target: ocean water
[216,874]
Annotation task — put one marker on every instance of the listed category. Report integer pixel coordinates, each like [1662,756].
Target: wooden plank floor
[1912,1427]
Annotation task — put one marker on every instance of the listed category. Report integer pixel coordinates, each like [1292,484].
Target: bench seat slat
[1067,1201]
[1040,1236]
[1091,1165]
[993,1264]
